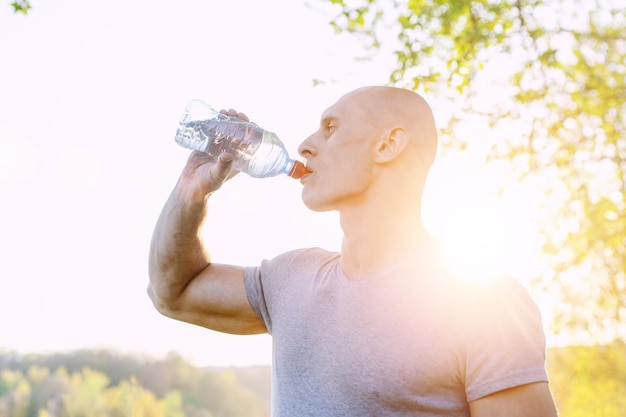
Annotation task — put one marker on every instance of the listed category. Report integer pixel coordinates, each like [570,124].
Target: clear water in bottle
[256,151]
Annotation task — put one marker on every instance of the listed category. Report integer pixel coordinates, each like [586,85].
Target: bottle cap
[298,170]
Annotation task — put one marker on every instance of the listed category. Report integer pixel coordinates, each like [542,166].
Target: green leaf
[22,6]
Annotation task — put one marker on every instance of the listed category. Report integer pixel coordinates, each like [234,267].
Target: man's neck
[371,243]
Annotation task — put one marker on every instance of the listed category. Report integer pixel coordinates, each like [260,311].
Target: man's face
[340,155]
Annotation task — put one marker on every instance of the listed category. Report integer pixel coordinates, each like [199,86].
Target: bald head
[391,107]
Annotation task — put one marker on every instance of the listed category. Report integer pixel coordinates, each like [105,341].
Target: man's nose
[306,149]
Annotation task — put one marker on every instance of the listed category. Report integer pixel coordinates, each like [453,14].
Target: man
[381,328]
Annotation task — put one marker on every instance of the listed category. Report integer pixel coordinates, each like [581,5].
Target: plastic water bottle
[256,151]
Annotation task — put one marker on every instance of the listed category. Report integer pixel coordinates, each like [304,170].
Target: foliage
[585,381]
[549,78]
[103,384]
[589,380]
[21,6]
[40,393]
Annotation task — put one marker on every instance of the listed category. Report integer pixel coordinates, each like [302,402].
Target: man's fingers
[221,171]
[235,113]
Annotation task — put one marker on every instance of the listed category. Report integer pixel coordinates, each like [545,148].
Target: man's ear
[391,145]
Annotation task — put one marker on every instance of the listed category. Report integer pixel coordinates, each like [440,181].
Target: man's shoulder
[302,256]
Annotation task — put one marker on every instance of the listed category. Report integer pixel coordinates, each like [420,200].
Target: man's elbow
[161,304]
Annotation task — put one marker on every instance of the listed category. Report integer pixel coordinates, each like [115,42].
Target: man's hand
[203,172]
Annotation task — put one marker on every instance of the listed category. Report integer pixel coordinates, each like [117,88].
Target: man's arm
[531,400]
[184,283]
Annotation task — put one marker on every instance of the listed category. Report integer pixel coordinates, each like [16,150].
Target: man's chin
[315,204]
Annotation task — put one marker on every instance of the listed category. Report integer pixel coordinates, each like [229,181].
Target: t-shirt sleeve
[275,287]
[269,285]
[504,340]
[256,296]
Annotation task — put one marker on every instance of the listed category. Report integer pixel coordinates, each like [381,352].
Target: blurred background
[530,180]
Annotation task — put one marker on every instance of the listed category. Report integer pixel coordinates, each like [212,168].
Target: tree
[40,393]
[589,380]
[101,383]
[21,6]
[559,111]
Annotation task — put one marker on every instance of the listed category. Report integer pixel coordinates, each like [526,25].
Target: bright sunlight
[485,234]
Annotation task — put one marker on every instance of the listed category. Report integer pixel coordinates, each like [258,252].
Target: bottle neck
[295,169]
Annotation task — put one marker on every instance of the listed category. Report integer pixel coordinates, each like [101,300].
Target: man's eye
[330,127]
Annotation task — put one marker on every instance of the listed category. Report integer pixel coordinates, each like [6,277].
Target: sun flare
[483,235]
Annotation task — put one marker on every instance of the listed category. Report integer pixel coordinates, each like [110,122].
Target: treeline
[100,383]
[585,380]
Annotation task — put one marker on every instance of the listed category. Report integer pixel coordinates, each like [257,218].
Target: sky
[90,99]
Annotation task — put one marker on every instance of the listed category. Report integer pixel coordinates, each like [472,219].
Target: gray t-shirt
[410,340]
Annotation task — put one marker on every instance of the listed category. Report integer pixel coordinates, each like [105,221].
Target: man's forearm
[177,253]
